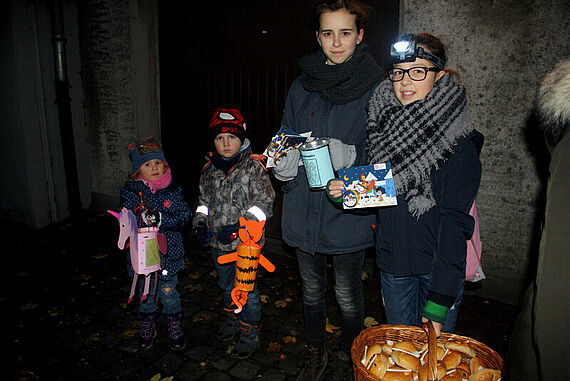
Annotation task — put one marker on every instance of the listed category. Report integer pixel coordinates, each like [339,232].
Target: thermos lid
[314,144]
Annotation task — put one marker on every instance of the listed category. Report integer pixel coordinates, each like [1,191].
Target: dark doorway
[237,54]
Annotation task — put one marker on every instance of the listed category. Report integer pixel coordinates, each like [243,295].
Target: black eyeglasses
[416,73]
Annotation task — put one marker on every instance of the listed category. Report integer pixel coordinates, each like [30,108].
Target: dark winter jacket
[436,242]
[174,212]
[226,198]
[310,221]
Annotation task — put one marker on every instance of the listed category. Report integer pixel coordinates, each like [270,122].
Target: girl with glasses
[419,122]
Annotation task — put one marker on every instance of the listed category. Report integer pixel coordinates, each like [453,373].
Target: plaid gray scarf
[416,139]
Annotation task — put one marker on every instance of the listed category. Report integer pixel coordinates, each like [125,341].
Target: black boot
[248,341]
[315,363]
[148,330]
[230,327]
[342,366]
[177,339]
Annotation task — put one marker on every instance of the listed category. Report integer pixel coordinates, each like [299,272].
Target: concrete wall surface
[502,50]
[35,191]
[118,50]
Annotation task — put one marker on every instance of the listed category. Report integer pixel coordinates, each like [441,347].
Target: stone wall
[501,49]
[118,49]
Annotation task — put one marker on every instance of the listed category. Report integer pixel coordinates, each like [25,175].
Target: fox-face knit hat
[141,152]
[228,120]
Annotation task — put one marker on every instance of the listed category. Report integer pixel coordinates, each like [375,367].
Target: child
[232,185]
[157,201]
[419,122]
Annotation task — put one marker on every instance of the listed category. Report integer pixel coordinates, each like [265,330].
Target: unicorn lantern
[144,244]
[247,258]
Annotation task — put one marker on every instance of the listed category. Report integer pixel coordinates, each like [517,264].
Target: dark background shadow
[239,54]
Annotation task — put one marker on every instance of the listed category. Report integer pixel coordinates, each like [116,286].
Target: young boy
[232,185]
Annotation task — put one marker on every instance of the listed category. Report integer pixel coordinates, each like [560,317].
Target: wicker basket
[418,336]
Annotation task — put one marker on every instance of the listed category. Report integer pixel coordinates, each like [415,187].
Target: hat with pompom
[228,120]
[144,151]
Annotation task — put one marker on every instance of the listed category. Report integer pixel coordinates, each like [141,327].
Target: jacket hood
[553,102]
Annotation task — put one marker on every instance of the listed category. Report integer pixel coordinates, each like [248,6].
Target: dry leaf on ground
[280,304]
[331,328]
[289,339]
[370,322]
[274,347]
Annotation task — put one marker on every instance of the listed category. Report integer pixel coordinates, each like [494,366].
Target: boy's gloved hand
[342,155]
[228,233]
[203,236]
[286,168]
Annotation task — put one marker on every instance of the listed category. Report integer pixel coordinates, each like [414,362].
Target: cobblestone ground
[64,301]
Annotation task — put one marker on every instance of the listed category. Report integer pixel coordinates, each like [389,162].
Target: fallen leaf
[156,377]
[282,357]
[288,300]
[202,316]
[289,339]
[202,364]
[194,275]
[264,298]
[274,347]
[364,275]
[55,311]
[280,304]
[100,255]
[88,340]
[129,333]
[194,287]
[29,306]
[331,328]
[213,274]
[370,322]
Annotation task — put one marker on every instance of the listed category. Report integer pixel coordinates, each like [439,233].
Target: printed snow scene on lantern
[368,186]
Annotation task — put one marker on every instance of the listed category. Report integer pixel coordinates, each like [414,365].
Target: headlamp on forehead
[406,50]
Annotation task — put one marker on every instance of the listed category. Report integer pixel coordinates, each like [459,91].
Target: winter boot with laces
[177,339]
[230,328]
[148,330]
[343,370]
[248,341]
[315,363]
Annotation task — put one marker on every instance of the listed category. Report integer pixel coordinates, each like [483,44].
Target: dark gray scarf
[416,139]
[342,83]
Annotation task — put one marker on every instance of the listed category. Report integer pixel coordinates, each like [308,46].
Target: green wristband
[337,200]
[435,312]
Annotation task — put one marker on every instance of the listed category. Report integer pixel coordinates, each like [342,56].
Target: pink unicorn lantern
[144,244]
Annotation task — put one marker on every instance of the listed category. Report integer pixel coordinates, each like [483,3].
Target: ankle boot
[248,341]
[316,360]
[148,329]
[230,327]
[177,339]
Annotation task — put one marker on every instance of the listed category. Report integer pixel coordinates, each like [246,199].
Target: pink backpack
[144,244]
[473,270]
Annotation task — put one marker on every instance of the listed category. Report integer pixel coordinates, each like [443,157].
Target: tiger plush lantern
[247,257]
